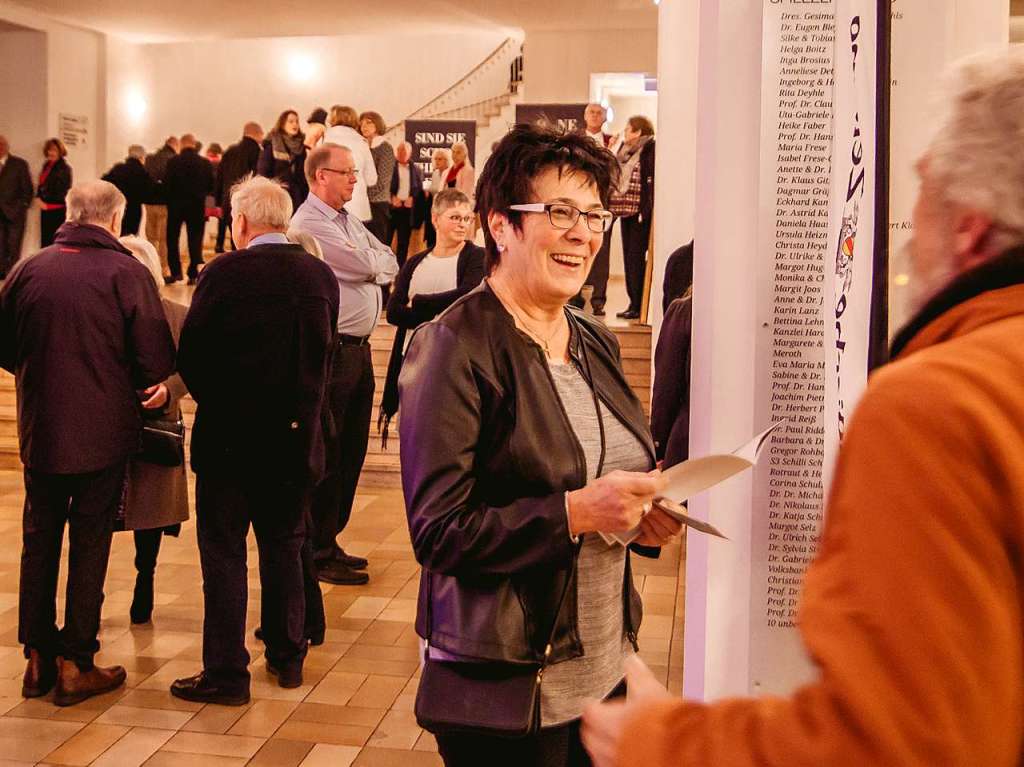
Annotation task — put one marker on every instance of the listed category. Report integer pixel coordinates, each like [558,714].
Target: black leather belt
[347,340]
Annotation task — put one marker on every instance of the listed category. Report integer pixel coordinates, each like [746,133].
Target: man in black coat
[83,331]
[135,184]
[239,161]
[15,198]
[255,352]
[188,181]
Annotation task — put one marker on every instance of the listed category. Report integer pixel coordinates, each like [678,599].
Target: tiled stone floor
[356,707]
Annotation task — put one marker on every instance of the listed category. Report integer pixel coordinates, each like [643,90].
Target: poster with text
[565,117]
[428,135]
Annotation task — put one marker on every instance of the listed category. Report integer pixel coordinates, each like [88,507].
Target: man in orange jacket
[914,608]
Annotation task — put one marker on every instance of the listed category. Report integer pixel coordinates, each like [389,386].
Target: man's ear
[971,234]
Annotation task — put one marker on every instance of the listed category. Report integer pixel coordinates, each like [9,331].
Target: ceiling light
[135,105]
[301,67]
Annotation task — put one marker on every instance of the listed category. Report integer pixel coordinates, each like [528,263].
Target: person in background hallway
[441,160]
[372,126]
[636,158]
[189,179]
[82,329]
[344,131]
[156,502]
[15,198]
[214,153]
[361,264]
[316,126]
[240,160]
[678,275]
[521,441]
[594,118]
[284,155]
[406,199]
[137,186]
[156,207]
[670,397]
[257,339]
[54,184]
[912,609]
[461,175]
[428,284]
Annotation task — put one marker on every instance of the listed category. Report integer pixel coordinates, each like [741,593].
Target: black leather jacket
[487,456]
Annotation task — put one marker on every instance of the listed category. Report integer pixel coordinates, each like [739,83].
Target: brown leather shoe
[75,685]
[40,675]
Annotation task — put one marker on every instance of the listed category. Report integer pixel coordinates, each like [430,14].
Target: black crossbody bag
[492,699]
[163,442]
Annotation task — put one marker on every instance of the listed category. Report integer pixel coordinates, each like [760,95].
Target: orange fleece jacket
[913,607]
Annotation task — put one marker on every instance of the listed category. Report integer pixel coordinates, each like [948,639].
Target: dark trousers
[635,236]
[11,235]
[429,232]
[132,218]
[224,229]
[194,219]
[380,221]
[401,226]
[598,277]
[49,223]
[315,622]
[552,747]
[87,503]
[225,507]
[350,398]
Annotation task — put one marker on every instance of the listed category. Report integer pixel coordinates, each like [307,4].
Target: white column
[722,391]
[676,159]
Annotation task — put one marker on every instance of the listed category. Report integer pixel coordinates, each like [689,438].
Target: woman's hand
[613,503]
[658,528]
[157,397]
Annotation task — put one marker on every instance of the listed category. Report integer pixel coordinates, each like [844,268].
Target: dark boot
[142,600]
[40,675]
[75,685]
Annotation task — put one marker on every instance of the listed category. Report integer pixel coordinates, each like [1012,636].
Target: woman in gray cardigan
[156,501]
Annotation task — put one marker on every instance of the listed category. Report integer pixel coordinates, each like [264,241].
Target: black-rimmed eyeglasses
[353,172]
[564,216]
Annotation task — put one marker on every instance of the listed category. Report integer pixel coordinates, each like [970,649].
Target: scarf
[628,158]
[286,148]
[453,174]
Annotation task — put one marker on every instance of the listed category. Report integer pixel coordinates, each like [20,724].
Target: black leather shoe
[341,574]
[599,312]
[629,315]
[350,560]
[288,678]
[192,280]
[199,689]
[172,279]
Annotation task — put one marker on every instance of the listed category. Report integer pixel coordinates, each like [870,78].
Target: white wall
[212,88]
[558,64]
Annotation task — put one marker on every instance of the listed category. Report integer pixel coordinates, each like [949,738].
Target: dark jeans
[194,219]
[350,398]
[380,221]
[401,224]
[552,747]
[87,503]
[11,235]
[132,218]
[635,236]
[49,223]
[225,507]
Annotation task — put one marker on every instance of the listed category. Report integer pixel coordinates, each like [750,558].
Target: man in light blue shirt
[362,264]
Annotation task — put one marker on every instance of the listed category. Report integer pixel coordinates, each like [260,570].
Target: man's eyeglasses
[564,216]
[344,172]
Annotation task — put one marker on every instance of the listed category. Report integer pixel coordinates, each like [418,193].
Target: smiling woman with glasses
[522,443]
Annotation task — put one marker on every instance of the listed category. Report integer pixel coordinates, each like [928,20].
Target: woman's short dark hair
[282,119]
[56,143]
[642,124]
[318,115]
[519,158]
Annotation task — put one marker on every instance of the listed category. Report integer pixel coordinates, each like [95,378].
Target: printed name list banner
[428,135]
[853,231]
[793,243]
[565,117]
